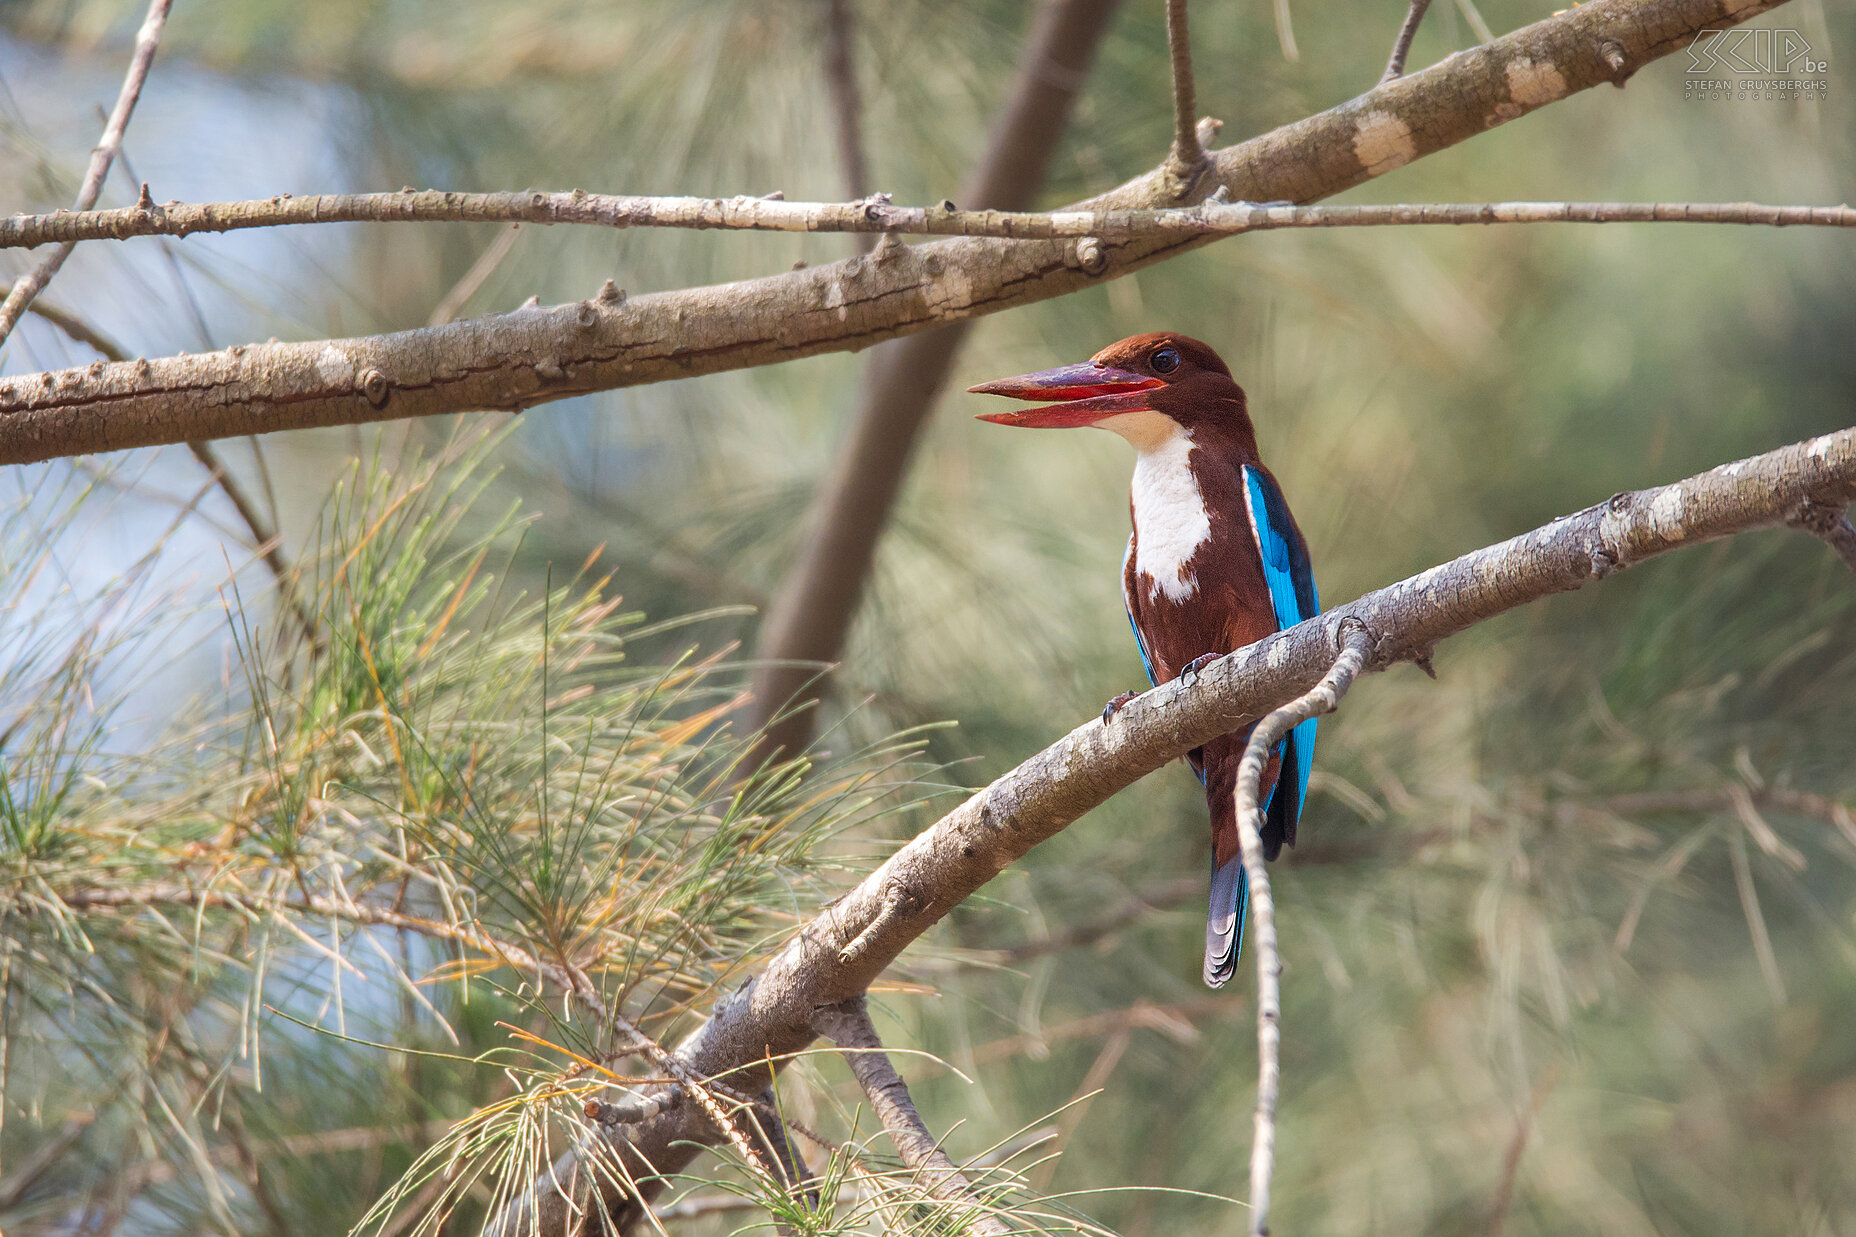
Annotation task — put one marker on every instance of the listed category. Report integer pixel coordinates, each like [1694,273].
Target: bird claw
[1191,671]
[1114,706]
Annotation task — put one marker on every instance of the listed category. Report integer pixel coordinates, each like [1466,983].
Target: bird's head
[1145,388]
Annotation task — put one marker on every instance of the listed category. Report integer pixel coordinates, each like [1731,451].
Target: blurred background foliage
[1523,993]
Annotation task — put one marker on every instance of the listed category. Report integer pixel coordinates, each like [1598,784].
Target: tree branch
[848,1026]
[534,355]
[1187,157]
[770,1015]
[1401,46]
[147,39]
[1215,218]
[1324,697]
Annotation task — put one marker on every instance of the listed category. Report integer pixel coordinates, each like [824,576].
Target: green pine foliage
[1570,937]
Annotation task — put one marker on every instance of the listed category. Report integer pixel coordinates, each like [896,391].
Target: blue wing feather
[1127,604]
[1291,580]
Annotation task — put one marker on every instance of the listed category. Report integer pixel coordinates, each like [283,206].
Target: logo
[1764,65]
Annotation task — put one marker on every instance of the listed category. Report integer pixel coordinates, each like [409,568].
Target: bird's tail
[1224,921]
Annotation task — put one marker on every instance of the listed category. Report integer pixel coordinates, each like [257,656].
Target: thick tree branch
[848,1026]
[1324,697]
[534,355]
[147,39]
[811,613]
[771,1014]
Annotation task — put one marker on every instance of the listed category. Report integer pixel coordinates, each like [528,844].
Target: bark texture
[533,355]
[771,1014]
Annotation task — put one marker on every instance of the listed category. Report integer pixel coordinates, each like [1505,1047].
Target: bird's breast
[1171,519]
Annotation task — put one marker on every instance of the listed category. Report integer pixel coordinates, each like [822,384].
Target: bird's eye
[1164,361]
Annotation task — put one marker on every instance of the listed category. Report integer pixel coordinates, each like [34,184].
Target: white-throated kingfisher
[1215,562]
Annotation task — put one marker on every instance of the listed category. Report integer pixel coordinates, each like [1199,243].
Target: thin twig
[1094,1080]
[1285,32]
[1517,1146]
[29,285]
[265,539]
[269,541]
[1781,798]
[848,1026]
[1173,1021]
[1401,47]
[1356,646]
[847,109]
[472,279]
[1187,157]
[1211,218]
[1161,896]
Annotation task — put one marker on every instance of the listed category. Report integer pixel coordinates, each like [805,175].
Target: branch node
[1612,53]
[144,201]
[1603,563]
[611,294]
[1091,256]
[633,1110]
[1830,523]
[375,387]
[895,901]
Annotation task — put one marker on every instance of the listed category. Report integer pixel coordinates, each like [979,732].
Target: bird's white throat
[1170,518]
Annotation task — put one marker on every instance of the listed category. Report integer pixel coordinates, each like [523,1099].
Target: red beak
[1091,392]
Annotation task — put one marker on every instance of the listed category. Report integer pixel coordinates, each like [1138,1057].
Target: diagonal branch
[1401,46]
[848,1026]
[1324,697]
[771,1014]
[535,355]
[147,39]
[1187,156]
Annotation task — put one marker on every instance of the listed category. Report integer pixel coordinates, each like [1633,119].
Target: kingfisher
[1215,562]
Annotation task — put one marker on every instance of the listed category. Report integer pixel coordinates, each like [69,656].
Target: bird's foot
[1192,668]
[1114,706]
